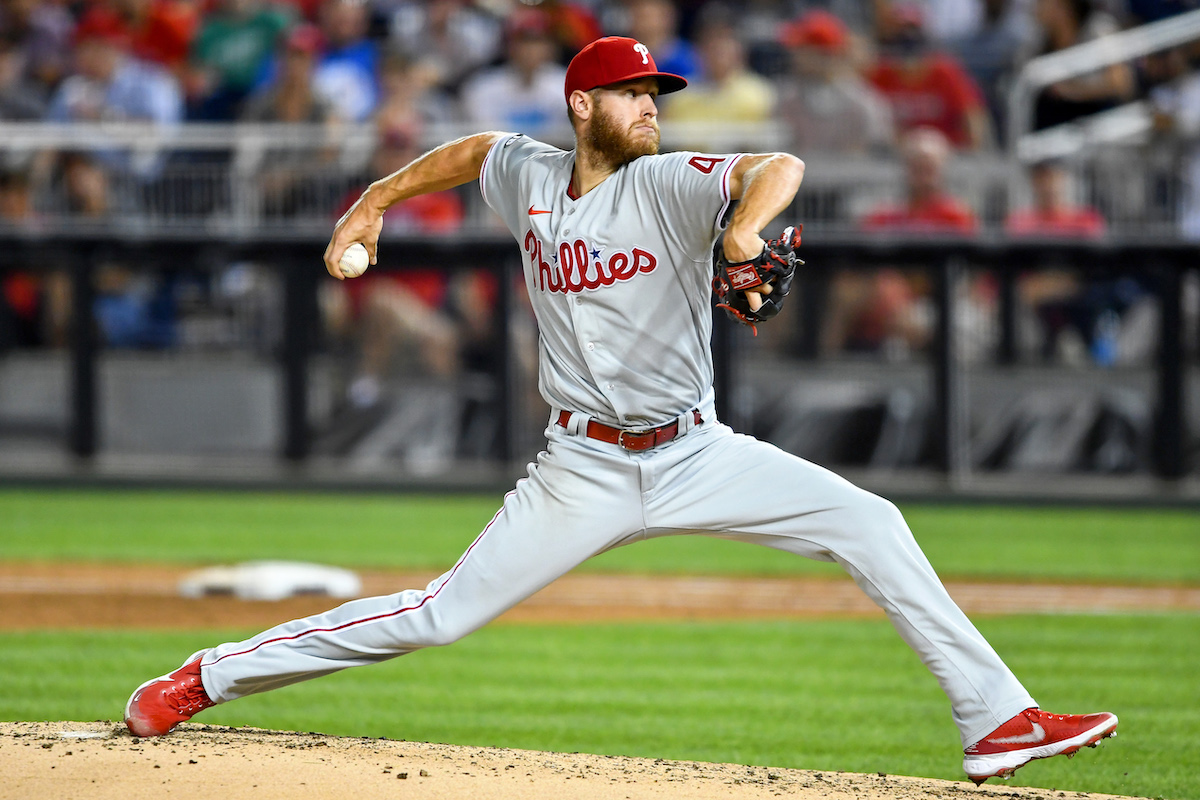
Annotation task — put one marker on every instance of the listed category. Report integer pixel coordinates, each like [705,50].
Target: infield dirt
[55,595]
[101,761]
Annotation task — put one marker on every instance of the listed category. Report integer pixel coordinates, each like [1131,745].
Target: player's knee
[882,518]
[443,632]
[440,638]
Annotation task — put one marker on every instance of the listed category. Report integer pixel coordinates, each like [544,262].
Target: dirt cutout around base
[101,761]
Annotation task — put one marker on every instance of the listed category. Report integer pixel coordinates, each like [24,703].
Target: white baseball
[354,261]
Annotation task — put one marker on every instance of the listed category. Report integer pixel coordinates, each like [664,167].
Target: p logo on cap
[616,59]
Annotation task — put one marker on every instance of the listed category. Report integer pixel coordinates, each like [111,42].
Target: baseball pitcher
[617,242]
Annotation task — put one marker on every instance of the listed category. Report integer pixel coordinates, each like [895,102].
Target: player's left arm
[765,185]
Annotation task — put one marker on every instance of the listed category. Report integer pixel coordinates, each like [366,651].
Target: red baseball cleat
[159,705]
[1034,734]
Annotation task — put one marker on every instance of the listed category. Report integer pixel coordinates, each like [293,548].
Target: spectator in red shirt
[928,207]
[927,88]
[1064,306]
[1052,214]
[888,310]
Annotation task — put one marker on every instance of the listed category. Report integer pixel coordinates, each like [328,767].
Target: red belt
[631,440]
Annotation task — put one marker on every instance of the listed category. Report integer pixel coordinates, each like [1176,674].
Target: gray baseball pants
[583,497]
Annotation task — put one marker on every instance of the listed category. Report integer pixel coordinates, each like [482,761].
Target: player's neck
[591,170]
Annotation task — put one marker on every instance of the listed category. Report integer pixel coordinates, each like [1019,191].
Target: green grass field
[1076,544]
[823,694]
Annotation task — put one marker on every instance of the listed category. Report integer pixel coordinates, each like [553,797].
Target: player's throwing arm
[445,167]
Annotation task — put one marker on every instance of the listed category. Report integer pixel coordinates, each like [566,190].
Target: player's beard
[609,143]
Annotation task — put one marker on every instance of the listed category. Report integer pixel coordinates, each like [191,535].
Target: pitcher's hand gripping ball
[355,260]
[775,265]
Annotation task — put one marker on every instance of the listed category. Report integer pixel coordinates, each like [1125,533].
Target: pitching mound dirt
[101,761]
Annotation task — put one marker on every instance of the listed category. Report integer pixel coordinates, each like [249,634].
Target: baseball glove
[776,265]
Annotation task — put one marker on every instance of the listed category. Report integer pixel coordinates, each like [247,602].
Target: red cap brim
[667,82]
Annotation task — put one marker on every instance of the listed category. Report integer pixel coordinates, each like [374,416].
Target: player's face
[624,125]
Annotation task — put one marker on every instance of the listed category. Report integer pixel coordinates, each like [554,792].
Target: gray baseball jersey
[619,280]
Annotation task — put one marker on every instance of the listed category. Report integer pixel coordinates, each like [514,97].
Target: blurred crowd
[920,81]
[845,77]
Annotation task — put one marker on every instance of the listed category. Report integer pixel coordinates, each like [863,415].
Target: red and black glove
[775,265]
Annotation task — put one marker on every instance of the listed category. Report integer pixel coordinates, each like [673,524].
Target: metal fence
[240,178]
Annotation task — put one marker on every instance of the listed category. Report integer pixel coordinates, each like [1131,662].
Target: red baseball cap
[818,29]
[615,59]
[100,24]
[306,38]
[528,23]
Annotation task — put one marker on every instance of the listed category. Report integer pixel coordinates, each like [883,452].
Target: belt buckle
[645,432]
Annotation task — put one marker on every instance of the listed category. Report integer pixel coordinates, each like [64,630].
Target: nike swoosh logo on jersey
[1038,734]
[533,211]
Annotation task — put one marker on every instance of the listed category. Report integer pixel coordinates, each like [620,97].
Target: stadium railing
[213,177]
[1129,124]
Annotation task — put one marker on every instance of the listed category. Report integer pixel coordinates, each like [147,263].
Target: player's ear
[581,104]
